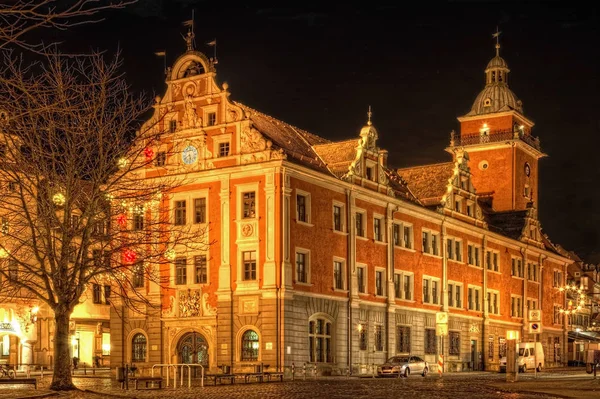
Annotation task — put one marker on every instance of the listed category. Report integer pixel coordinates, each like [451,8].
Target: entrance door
[474,365]
[193,349]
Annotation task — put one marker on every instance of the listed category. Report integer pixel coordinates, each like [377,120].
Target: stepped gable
[338,155]
[428,183]
[295,142]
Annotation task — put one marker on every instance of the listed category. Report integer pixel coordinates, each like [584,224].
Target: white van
[530,355]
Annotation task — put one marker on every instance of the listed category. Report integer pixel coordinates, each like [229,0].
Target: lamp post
[512,368]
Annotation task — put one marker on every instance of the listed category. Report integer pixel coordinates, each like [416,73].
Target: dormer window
[470,208]
[211,119]
[370,173]
[487,102]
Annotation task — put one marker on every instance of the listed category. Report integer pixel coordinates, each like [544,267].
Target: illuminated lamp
[59,199]
[122,162]
[170,254]
[3,253]
[129,256]
[149,153]
[122,220]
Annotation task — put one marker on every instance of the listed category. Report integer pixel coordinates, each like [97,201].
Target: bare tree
[18,18]
[79,205]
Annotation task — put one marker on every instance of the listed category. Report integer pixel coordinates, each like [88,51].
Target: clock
[189,155]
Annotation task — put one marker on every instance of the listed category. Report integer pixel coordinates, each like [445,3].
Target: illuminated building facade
[321,253]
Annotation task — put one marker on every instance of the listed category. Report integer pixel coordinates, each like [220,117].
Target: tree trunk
[62,380]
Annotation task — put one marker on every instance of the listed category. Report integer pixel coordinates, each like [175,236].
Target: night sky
[418,66]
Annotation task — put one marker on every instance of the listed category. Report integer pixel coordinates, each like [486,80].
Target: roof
[428,183]
[497,62]
[510,223]
[338,156]
[297,143]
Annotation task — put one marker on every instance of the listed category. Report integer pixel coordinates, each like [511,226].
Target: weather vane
[189,38]
[497,37]
[369,114]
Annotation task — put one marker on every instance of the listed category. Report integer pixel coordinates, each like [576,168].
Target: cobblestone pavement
[459,385]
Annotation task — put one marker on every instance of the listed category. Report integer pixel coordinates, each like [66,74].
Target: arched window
[250,346]
[138,348]
[319,341]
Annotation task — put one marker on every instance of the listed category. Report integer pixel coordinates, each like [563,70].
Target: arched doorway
[193,349]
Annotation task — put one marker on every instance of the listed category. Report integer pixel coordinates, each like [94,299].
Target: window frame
[380,282]
[342,218]
[324,354]
[306,256]
[430,290]
[493,294]
[254,351]
[378,228]
[139,348]
[403,339]
[363,220]
[340,279]
[364,270]
[307,207]
[432,239]
[474,292]
[457,295]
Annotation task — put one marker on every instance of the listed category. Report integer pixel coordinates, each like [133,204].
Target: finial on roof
[497,37]
[369,116]
[189,38]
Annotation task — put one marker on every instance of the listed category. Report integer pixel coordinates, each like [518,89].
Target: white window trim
[401,227]
[129,345]
[431,234]
[517,259]
[208,110]
[382,228]
[481,298]
[462,294]
[533,300]
[363,212]
[306,252]
[431,279]
[222,138]
[343,226]
[366,278]
[373,165]
[403,274]
[472,205]
[307,197]
[238,344]
[492,251]
[189,197]
[161,148]
[511,306]
[481,261]
[247,285]
[192,267]
[535,272]
[343,262]
[499,302]
[454,258]
[383,282]
[459,199]
[240,189]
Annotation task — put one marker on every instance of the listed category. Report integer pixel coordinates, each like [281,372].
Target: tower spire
[369,114]
[497,37]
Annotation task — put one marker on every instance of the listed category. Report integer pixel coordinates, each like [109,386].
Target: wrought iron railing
[494,137]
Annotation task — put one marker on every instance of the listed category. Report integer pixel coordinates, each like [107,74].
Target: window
[431,290]
[337,218]
[532,272]
[12,186]
[211,119]
[172,126]
[249,258]
[363,337]
[359,225]
[180,213]
[517,267]
[454,249]
[379,283]
[200,271]
[501,347]
[4,225]
[338,275]
[224,149]
[138,275]
[378,337]
[199,210]
[430,242]
[491,261]
[161,158]
[556,314]
[301,210]
[138,348]
[516,309]
[557,279]
[97,294]
[403,285]
[430,342]
[493,299]
[474,300]
[181,271]
[107,294]
[301,267]
[458,205]
[454,294]
[320,341]
[491,347]
[370,173]
[403,339]
[454,338]
[249,203]
[532,304]
[13,270]
[361,279]
[377,229]
[75,221]
[138,222]
[250,346]
[470,208]
[473,255]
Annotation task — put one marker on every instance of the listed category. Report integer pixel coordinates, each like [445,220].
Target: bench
[257,376]
[274,375]
[219,377]
[11,381]
[147,380]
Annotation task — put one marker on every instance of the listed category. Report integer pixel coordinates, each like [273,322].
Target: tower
[497,136]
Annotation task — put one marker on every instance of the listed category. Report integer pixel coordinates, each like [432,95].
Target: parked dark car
[403,366]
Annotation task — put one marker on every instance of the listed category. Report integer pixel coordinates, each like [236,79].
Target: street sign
[441,318]
[441,330]
[535,315]
[535,327]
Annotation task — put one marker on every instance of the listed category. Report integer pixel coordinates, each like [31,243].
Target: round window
[483,165]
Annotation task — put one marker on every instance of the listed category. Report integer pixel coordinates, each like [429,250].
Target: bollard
[84,369]
[304,371]
[293,371]
[315,371]
[42,372]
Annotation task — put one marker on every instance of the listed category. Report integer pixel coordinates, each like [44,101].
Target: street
[555,384]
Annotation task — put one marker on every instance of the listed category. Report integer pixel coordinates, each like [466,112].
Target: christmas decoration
[58,199]
[170,254]
[129,256]
[149,153]
[122,162]
[122,220]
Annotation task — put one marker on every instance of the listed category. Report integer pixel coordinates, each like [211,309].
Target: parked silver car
[403,366]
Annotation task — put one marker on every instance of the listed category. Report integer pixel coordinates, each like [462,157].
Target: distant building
[323,254]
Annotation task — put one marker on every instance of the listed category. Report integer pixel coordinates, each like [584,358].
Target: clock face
[189,155]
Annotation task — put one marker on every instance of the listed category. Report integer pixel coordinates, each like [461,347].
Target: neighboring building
[324,254]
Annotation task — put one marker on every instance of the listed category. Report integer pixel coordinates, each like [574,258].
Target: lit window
[250,346]
[138,348]
[363,337]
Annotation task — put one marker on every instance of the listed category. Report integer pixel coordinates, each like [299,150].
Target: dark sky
[418,66]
